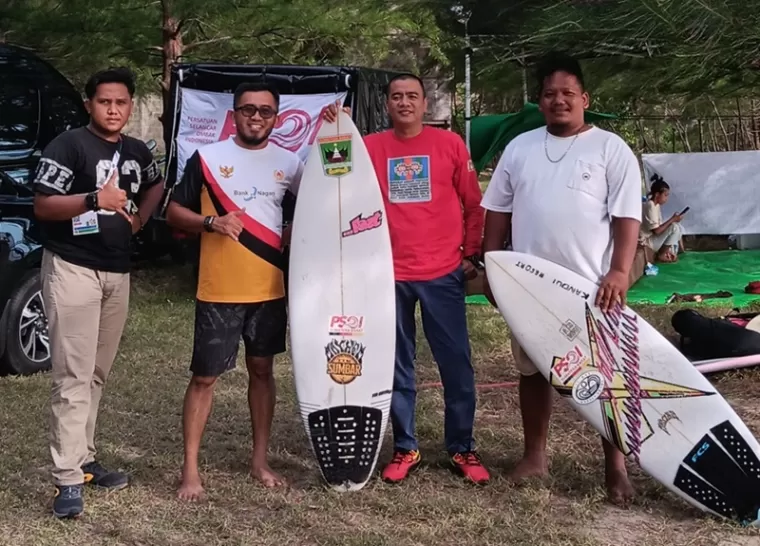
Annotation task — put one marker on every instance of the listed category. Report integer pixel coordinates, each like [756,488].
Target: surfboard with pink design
[342,306]
[631,384]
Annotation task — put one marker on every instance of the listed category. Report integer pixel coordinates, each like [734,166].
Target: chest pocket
[589,178]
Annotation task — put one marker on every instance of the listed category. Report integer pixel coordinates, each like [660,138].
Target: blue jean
[444,321]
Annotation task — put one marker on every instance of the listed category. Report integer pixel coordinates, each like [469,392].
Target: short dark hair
[405,76]
[255,87]
[119,74]
[558,62]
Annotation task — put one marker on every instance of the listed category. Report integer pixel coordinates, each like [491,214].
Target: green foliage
[654,50]
[79,36]
[639,55]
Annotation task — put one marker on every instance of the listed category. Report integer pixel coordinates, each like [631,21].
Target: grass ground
[139,431]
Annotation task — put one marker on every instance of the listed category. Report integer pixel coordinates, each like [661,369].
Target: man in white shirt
[569,193]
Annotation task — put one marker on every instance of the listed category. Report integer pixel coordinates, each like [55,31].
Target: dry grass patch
[140,432]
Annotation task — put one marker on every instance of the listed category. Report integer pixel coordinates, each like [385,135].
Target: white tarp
[722,189]
[207,117]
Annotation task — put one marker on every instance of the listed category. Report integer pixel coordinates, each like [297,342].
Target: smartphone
[684,211]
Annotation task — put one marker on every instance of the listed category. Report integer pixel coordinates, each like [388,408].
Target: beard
[255,140]
[565,127]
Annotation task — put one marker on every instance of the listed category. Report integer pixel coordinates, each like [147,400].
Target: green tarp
[702,272]
[695,273]
[489,135]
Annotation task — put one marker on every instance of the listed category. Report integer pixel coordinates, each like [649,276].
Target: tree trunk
[657,142]
[684,134]
[701,137]
[722,127]
[740,123]
[172,49]
[644,143]
[710,125]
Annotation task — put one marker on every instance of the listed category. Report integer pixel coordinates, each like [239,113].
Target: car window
[17,181]
[19,115]
[7,186]
[66,112]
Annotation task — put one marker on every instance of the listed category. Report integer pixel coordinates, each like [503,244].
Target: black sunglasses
[249,110]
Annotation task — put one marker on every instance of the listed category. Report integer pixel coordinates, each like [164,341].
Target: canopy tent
[489,135]
[364,89]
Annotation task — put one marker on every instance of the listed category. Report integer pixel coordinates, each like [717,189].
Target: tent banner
[722,190]
[207,117]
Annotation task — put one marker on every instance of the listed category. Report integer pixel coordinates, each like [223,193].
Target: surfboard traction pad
[345,440]
[723,473]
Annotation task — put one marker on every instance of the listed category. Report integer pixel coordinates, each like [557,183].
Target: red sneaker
[468,465]
[401,465]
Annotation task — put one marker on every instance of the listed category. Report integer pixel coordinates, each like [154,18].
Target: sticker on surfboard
[344,360]
[336,156]
[588,387]
[346,325]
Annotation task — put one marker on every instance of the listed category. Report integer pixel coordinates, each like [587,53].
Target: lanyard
[115,160]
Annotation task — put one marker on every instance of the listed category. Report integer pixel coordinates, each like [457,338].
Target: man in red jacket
[432,200]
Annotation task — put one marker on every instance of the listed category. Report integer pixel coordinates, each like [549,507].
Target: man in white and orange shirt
[232,192]
[432,200]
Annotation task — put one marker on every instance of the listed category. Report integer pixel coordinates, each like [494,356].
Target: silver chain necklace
[546,146]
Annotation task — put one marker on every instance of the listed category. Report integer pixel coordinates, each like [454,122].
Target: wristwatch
[91,201]
[207,221]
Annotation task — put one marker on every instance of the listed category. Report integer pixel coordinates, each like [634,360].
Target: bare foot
[191,489]
[267,476]
[529,468]
[619,488]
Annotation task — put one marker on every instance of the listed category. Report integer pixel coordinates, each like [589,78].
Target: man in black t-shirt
[86,183]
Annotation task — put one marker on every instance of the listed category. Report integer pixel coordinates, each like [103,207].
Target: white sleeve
[295,183]
[623,181]
[499,195]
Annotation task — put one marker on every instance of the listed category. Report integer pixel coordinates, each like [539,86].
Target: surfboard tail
[722,473]
[346,440]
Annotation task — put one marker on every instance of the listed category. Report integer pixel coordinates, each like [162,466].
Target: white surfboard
[631,384]
[342,306]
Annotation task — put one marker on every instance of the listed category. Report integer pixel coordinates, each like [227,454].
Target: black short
[219,327]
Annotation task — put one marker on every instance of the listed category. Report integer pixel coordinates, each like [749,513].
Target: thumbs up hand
[231,224]
[113,198]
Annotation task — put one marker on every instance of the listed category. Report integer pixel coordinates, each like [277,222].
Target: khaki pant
[669,237]
[86,312]
[523,363]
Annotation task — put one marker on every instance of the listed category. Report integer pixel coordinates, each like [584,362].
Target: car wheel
[27,348]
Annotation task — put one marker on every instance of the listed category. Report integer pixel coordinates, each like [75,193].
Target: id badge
[85,224]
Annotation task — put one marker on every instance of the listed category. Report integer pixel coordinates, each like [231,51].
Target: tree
[644,48]
[79,36]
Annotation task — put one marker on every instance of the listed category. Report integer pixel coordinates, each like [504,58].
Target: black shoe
[68,501]
[95,474]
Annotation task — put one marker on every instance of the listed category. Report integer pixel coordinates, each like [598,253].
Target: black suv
[36,104]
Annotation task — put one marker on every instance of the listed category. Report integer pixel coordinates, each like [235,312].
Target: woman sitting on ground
[664,238]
